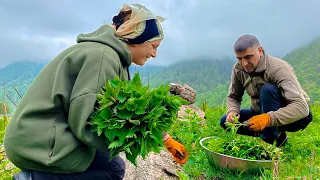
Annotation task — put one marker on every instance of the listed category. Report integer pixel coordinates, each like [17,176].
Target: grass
[299,160]
[300,155]
[5,173]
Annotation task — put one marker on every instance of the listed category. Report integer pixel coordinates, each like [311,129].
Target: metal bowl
[233,163]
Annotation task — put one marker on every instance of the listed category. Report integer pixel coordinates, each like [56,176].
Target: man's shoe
[283,138]
[23,175]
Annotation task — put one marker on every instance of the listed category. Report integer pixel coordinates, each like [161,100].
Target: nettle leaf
[140,110]
[131,157]
[142,102]
[108,88]
[122,106]
[115,151]
[110,134]
[115,82]
[122,97]
[127,146]
[99,130]
[130,88]
[136,80]
[106,113]
[124,114]
[122,133]
[116,92]
[99,121]
[153,145]
[132,131]
[144,91]
[159,111]
[115,144]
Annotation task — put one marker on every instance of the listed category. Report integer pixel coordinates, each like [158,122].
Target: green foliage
[244,147]
[131,117]
[296,154]
[204,106]
[5,173]
[3,124]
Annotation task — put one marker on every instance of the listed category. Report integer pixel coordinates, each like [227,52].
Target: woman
[48,136]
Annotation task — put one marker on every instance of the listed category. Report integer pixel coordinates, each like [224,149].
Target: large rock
[155,166]
[185,91]
[193,108]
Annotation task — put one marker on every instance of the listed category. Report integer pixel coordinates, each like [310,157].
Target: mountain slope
[209,78]
[306,63]
[19,74]
[202,75]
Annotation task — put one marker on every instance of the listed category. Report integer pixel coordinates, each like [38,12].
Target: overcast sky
[38,30]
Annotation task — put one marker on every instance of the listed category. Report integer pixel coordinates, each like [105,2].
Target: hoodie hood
[106,35]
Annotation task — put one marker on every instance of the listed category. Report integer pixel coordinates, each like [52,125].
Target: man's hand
[230,116]
[259,122]
[180,155]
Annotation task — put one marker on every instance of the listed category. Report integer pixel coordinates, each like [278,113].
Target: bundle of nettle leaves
[240,146]
[131,117]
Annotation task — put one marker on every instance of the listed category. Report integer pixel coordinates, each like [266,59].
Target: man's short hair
[246,41]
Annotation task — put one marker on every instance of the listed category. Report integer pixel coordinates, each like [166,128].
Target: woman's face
[141,52]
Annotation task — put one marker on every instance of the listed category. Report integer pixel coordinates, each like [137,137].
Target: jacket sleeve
[236,91]
[91,78]
[297,107]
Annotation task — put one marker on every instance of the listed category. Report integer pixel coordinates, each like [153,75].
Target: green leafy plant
[242,146]
[233,127]
[131,117]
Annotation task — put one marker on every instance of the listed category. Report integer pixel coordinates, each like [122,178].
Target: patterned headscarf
[135,24]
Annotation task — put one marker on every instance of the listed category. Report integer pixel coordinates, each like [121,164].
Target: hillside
[202,75]
[306,63]
[19,74]
[210,78]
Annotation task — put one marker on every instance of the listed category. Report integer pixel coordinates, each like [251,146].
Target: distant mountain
[19,74]
[210,78]
[22,73]
[145,70]
[306,63]
[202,75]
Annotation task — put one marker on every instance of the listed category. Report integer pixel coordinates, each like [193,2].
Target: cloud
[38,30]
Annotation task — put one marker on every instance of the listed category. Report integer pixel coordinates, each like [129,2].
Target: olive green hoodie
[49,130]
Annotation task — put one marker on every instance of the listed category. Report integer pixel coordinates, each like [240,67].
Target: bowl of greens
[241,153]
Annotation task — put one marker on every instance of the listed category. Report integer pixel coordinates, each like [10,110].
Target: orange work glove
[259,122]
[180,155]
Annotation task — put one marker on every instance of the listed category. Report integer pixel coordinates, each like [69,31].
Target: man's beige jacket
[275,71]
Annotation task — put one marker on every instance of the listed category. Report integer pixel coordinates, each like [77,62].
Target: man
[278,103]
